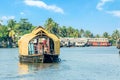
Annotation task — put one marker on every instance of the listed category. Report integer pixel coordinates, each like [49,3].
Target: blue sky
[98,16]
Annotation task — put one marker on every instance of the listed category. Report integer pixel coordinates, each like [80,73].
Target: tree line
[13,30]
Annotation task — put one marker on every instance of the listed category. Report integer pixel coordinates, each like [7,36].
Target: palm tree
[63,31]
[11,24]
[116,34]
[49,24]
[97,36]
[70,31]
[55,29]
[105,35]
[76,33]
[24,26]
[12,34]
[87,34]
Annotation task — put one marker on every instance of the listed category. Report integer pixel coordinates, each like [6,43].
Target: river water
[81,63]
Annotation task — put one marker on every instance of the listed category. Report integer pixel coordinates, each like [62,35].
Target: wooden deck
[32,58]
[39,58]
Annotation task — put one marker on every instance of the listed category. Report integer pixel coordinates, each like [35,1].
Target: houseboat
[73,42]
[66,42]
[80,42]
[39,46]
[98,42]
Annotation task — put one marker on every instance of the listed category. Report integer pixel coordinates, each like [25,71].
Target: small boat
[39,46]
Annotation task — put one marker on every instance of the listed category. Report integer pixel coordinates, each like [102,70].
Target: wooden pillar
[48,43]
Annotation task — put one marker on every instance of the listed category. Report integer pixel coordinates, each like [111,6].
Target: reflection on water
[25,68]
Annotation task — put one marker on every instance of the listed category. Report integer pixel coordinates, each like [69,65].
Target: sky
[98,16]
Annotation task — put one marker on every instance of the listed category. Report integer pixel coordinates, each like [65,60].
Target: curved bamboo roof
[24,41]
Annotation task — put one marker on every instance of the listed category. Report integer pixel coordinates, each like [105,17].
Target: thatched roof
[25,39]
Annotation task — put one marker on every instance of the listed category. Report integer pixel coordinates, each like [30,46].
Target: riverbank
[71,42]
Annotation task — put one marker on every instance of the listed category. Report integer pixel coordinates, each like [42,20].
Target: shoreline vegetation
[13,30]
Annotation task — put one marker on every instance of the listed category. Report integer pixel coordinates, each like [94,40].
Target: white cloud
[4,19]
[22,13]
[41,4]
[114,13]
[102,3]
[7,17]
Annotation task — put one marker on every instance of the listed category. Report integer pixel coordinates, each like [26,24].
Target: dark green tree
[63,31]
[97,36]
[24,27]
[106,35]
[87,34]
[3,36]
[116,34]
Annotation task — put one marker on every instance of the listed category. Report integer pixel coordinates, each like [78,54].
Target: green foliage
[97,36]
[49,24]
[52,27]
[88,34]
[116,34]
[106,35]
[11,32]
[3,33]
[63,31]
[23,27]
[11,24]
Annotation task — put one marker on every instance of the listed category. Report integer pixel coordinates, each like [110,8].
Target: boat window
[31,47]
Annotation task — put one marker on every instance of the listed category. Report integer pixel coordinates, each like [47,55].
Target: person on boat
[40,48]
[45,45]
[46,49]
[44,41]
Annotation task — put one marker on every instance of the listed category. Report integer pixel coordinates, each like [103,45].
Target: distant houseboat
[39,46]
[66,42]
[98,42]
[82,42]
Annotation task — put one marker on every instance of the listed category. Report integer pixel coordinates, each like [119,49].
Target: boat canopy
[25,39]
